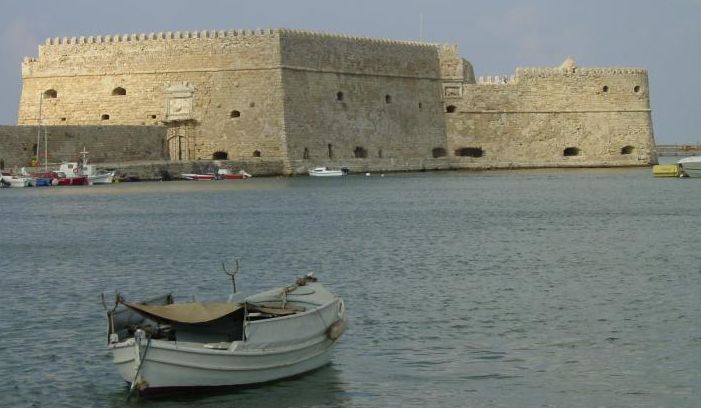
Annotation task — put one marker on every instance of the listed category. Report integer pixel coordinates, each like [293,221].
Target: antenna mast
[421,27]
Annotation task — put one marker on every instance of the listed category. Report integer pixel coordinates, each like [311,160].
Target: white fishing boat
[690,166]
[11,180]
[99,176]
[326,172]
[159,345]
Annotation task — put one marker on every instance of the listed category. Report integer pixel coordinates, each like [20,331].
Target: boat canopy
[187,313]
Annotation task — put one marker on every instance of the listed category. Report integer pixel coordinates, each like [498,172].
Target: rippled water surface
[496,289]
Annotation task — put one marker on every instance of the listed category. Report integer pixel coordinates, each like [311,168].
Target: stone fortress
[285,101]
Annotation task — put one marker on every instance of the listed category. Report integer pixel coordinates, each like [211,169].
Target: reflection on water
[573,288]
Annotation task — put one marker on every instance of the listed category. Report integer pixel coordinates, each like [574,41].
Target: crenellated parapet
[161,36]
[221,34]
[556,71]
[496,80]
[370,40]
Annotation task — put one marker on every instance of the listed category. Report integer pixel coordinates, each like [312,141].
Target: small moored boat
[12,180]
[199,177]
[279,333]
[690,166]
[326,172]
[226,174]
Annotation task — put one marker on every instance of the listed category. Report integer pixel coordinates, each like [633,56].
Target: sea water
[544,288]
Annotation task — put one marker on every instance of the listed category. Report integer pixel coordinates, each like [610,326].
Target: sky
[496,36]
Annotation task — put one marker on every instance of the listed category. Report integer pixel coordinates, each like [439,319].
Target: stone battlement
[221,34]
[553,71]
[177,35]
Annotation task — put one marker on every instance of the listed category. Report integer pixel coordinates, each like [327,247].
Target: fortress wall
[549,89]
[155,52]
[539,140]
[357,55]
[258,97]
[301,99]
[454,67]
[533,119]
[387,112]
[104,143]
[228,71]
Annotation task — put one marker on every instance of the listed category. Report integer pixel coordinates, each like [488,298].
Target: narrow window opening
[571,151]
[450,108]
[119,91]
[636,88]
[605,88]
[105,117]
[220,155]
[235,114]
[256,153]
[153,116]
[339,96]
[627,150]
[305,155]
[438,152]
[421,106]
[379,153]
[50,94]
[469,152]
[64,119]
[330,147]
[360,152]
[388,98]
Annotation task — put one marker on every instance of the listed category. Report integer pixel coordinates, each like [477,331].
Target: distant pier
[678,150]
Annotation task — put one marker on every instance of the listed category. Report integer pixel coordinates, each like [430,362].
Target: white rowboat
[260,338]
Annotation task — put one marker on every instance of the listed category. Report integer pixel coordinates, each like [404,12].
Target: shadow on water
[321,387]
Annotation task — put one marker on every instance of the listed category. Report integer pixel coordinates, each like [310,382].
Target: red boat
[61,179]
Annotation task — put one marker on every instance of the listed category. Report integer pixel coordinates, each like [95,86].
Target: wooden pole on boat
[41,100]
[46,150]
[232,274]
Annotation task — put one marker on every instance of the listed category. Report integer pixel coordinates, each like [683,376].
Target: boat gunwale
[233,368]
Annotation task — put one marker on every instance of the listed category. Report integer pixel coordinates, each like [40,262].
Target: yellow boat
[666,170]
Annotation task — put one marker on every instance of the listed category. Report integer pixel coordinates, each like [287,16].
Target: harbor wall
[18,144]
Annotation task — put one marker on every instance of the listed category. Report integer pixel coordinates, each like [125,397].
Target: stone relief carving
[452,91]
[179,102]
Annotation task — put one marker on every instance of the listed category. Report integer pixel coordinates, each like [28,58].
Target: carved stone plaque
[179,102]
[452,91]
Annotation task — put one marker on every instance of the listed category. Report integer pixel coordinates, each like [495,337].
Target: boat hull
[198,177]
[327,172]
[107,178]
[691,166]
[73,181]
[167,365]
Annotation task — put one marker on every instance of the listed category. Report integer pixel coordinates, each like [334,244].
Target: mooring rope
[138,369]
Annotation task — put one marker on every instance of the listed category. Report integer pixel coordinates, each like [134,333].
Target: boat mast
[84,155]
[41,99]
[46,150]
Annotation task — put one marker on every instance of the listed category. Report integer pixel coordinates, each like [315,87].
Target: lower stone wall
[173,170]
[18,144]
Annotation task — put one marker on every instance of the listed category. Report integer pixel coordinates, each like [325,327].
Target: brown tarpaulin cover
[189,313]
